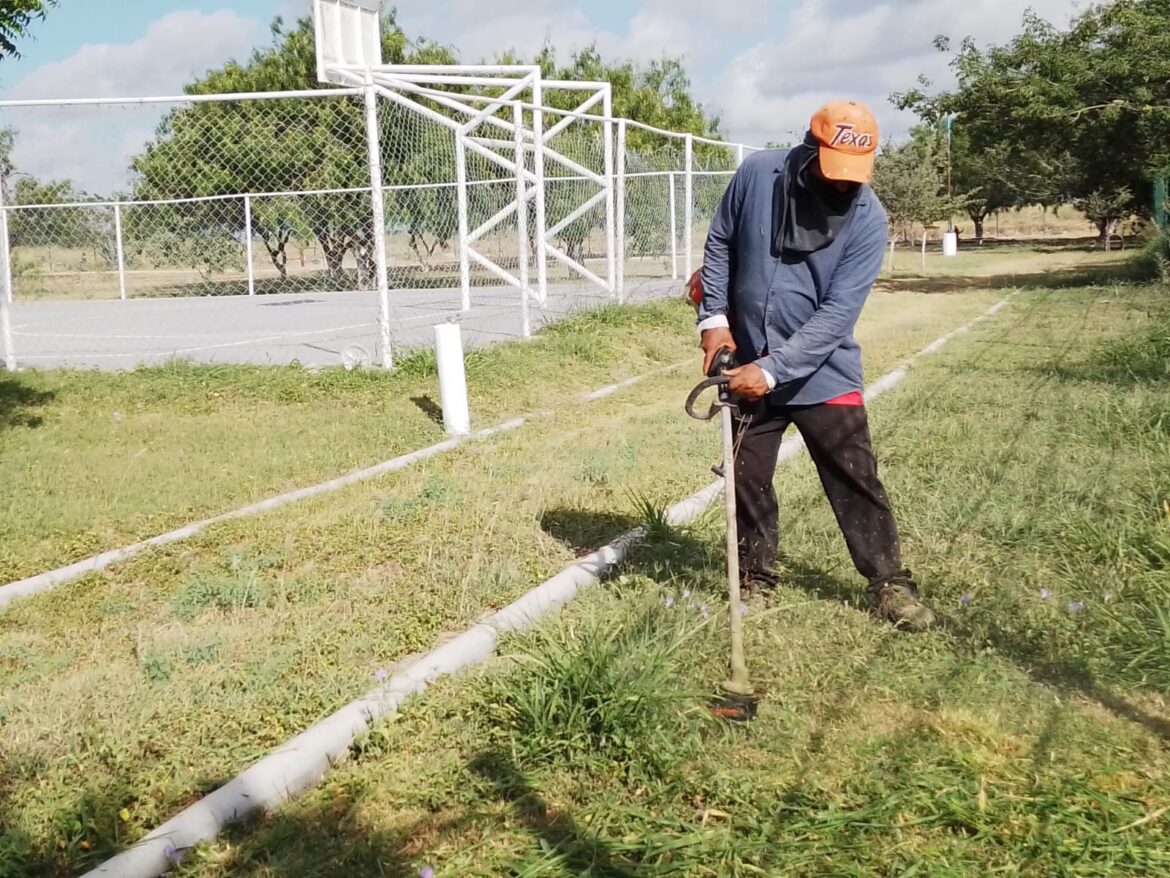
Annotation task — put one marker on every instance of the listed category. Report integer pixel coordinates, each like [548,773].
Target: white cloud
[859,49]
[762,68]
[92,145]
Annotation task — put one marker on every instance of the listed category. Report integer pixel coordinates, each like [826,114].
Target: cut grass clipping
[1028,737]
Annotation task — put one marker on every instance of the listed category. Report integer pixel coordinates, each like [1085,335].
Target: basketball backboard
[349,37]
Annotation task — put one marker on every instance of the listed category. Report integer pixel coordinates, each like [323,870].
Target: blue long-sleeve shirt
[794,315]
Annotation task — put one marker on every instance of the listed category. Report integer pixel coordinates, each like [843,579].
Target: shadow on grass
[16,402]
[665,553]
[429,408]
[78,834]
[568,845]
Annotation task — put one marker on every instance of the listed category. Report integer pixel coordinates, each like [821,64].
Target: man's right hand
[712,342]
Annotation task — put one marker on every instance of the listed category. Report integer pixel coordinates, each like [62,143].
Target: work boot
[896,600]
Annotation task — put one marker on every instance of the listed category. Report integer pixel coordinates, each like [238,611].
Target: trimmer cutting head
[734,707]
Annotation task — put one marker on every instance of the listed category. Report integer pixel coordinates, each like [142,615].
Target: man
[794,249]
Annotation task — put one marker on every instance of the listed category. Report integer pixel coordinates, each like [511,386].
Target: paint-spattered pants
[837,437]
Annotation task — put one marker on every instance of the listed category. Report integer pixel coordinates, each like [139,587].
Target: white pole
[673,229]
[121,251]
[248,244]
[538,170]
[611,273]
[464,221]
[620,231]
[893,241]
[739,154]
[6,277]
[5,252]
[924,250]
[689,207]
[378,219]
[452,379]
[522,220]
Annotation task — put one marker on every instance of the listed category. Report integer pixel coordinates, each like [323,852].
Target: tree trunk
[978,220]
[334,247]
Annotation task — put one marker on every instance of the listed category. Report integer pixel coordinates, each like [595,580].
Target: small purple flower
[670,602]
[381,674]
[1076,606]
[966,599]
[743,609]
[1045,594]
[426,872]
[687,593]
[172,854]
[705,611]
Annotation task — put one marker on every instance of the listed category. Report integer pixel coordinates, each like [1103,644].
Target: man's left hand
[748,382]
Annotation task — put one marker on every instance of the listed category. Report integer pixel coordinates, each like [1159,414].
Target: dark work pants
[838,441]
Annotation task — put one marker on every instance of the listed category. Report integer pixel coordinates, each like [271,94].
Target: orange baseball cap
[848,135]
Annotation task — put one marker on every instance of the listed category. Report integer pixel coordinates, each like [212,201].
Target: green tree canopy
[16,18]
[1083,112]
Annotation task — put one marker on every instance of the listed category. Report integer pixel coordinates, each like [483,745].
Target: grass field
[1029,737]
[128,694]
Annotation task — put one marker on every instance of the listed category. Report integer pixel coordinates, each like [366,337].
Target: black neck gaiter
[807,214]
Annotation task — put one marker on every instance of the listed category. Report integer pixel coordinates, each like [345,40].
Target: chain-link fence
[241,228]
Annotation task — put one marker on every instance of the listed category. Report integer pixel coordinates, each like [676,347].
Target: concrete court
[314,329]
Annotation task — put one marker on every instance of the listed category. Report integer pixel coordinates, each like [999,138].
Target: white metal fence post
[5,251]
[611,220]
[689,207]
[620,230]
[538,170]
[738,154]
[6,278]
[464,221]
[673,228]
[120,248]
[378,218]
[522,219]
[248,245]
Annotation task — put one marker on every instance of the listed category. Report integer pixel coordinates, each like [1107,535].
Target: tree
[16,18]
[289,146]
[1088,107]
[907,180]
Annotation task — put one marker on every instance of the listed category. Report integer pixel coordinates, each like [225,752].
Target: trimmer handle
[723,361]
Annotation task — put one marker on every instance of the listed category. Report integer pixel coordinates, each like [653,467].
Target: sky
[763,66]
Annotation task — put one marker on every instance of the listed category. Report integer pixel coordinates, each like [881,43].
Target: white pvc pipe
[452,379]
[303,761]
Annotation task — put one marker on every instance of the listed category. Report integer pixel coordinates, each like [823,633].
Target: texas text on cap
[848,135]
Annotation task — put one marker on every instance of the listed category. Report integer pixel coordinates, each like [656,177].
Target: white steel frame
[349,54]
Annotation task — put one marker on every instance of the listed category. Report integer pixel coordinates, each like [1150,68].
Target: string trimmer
[739,700]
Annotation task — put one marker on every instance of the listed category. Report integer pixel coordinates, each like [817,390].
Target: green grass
[90,461]
[128,694]
[1028,737]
